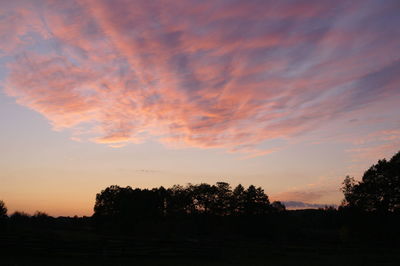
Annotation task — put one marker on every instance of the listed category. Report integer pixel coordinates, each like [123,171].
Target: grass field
[99,250]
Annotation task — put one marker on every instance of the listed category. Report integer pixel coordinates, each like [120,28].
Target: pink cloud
[15,26]
[215,74]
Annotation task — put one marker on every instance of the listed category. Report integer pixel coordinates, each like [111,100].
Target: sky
[291,96]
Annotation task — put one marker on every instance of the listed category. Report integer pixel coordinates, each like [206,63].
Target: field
[89,248]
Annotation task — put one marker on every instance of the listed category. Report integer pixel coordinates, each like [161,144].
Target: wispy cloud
[296,205]
[303,196]
[208,74]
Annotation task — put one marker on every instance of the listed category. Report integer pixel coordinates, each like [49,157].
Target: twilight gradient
[243,79]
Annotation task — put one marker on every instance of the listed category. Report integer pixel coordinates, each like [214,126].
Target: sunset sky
[291,96]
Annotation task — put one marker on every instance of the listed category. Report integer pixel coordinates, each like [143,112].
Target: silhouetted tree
[222,199]
[123,206]
[179,201]
[41,219]
[201,198]
[110,201]
[278,206]
[127,204]
[256,201]
[238,200]
[41,216]
[3,210]
[161,200]
[348,186]
[379,189]
[20,218]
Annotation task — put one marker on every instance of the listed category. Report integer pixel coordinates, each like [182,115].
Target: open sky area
[291,96]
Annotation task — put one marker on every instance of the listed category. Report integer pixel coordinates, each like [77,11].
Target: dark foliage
[119,203]
[278,206]
[379,189]
[3,210]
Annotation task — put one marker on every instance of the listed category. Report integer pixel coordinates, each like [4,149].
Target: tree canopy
[3,209]
[201,199]
[379,189]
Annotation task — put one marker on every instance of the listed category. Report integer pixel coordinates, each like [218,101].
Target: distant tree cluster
[3,210]
[212,200]
[379,189]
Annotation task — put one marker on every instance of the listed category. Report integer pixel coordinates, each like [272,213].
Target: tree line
[377,191]
[201,199]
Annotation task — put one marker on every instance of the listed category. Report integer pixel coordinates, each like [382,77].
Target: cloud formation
[207,74]
[299,205]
